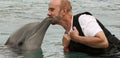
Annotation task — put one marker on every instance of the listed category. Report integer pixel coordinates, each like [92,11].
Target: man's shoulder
[83,14]
[87,13]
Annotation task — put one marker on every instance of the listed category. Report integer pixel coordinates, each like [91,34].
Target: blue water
[16,13]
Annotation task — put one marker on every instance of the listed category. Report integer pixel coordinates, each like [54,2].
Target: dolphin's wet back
[30,36]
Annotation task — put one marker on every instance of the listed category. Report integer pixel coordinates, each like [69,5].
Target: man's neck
[67,23]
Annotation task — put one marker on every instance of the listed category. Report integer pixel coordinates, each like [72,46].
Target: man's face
[54,11]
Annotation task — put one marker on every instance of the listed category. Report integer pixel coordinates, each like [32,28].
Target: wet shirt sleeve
[89,25]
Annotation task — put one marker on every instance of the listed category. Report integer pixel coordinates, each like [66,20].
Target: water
[16,13]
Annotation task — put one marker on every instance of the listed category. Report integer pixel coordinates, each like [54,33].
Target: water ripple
[4,33]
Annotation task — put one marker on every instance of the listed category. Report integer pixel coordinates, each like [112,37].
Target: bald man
[83,33]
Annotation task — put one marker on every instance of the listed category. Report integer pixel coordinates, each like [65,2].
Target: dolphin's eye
[20,43]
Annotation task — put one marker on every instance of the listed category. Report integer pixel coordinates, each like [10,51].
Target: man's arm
[97,41]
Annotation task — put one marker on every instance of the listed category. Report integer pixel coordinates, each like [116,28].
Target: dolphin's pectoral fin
[7,42]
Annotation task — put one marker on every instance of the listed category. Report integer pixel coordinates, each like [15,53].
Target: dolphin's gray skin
[30,36]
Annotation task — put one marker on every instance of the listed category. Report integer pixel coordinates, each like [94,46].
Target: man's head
[58,9]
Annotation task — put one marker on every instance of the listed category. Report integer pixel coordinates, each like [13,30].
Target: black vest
[114,43]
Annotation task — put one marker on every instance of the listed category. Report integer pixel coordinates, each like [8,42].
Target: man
[83,32]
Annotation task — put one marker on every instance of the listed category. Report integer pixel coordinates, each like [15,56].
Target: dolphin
[30,36]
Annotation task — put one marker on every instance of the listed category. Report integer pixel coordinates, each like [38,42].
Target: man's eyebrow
[51,9]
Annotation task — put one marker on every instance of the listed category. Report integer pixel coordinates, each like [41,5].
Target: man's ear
[64,11]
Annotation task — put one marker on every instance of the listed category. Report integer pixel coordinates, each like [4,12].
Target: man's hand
[74,33]
[66,39]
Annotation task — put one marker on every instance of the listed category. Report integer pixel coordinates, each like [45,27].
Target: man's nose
[49,13]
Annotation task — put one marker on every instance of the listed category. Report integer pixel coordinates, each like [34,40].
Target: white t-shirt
[89,25]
